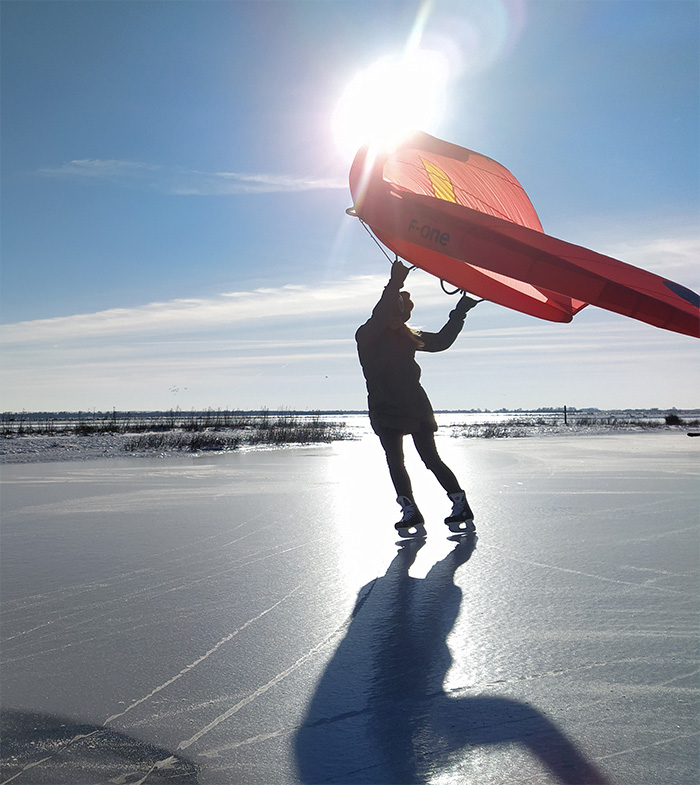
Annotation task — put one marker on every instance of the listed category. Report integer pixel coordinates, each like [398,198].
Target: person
[398,404]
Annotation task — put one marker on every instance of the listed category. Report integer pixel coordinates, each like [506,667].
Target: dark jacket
[396,398]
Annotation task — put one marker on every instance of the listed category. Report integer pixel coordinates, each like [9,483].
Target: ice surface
[248,618]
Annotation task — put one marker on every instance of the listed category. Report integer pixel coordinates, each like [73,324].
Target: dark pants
[392,442]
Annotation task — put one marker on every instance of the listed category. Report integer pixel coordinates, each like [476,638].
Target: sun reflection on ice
[362,511]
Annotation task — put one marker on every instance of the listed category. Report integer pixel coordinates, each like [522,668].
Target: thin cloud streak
[664,255]
[297,342]
[180,181]
[187,315]
[668,247]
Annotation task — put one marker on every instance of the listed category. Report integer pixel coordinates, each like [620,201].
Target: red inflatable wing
[464,218]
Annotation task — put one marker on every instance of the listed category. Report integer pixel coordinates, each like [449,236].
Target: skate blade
[463,538]
[412,532]
[462,527]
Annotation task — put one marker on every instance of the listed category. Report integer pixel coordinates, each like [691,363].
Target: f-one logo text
[429,233]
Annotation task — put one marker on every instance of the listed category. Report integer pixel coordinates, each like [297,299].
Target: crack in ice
[201,659]
[583,574]
[278,678]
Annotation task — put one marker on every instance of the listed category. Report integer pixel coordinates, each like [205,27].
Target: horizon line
[266,410]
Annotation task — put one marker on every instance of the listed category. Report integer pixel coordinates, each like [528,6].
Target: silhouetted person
[398,404]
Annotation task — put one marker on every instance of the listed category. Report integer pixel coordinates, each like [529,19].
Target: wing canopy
[466,219]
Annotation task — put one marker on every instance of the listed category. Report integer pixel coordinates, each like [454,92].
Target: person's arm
[386,307]
[438,342]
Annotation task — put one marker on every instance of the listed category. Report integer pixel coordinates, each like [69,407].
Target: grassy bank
[194,431]
[521,426]
[263,429]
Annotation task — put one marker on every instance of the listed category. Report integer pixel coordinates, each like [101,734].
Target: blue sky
[173,199]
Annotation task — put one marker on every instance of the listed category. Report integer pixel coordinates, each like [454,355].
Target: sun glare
[391,98]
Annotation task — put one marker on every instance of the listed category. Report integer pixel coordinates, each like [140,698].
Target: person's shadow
[380,713]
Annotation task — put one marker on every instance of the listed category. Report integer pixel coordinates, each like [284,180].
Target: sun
[390,99]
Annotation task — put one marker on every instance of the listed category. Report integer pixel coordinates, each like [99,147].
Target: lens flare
[390,99]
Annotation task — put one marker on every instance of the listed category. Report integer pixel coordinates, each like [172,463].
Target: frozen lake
[249,618]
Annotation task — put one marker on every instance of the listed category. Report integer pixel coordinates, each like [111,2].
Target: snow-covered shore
[71,447]
[32,448]
[63,447]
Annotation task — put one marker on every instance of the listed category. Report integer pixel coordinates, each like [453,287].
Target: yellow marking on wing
[440,182]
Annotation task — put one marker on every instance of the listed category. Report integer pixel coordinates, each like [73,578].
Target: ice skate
[411,523]
[461,520]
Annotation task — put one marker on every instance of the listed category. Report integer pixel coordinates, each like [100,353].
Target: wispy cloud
[191,315]
[256,344]
[667,246]
[181,181]
[669,255]
[293,346]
